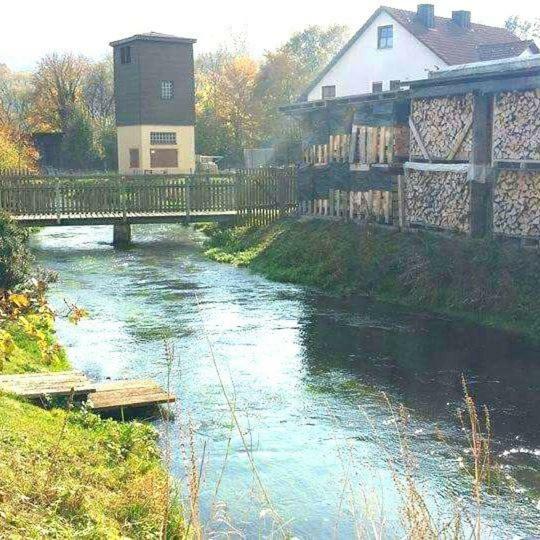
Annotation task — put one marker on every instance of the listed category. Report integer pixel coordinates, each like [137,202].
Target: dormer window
[385,37]
[125,55]
[329,92]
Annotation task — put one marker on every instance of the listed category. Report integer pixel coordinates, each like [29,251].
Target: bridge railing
[265,193]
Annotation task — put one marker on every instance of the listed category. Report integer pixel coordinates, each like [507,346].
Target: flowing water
[307,374]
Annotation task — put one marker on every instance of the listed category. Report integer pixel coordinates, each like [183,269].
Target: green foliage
[78,148]
[481,280]
[74,475]
[238,98]
[15,257]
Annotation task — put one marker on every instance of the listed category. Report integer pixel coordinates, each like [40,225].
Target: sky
[31,28]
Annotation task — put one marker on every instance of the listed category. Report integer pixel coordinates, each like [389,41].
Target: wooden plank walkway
[135,393]
[105,396]
[38,385]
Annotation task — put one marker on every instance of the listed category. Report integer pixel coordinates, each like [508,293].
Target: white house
[396,45]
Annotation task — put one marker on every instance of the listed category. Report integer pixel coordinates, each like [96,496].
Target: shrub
[15,256]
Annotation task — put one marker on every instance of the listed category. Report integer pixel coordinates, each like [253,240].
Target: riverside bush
[15,256]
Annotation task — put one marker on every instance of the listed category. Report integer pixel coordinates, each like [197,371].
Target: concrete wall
[139,137]
[364,63]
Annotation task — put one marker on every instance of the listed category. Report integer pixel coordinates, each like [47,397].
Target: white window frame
[167,90]
[160,138]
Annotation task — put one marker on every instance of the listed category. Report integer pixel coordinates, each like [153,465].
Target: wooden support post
[121,234]
[351,204]
[402,203]
[480,174]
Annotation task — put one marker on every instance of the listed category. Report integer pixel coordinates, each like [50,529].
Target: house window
[376,87]
[162,137]
[163,158]
[167,89]
[134,162]
[125,55]
[395,85]
[328,92]
[386,37]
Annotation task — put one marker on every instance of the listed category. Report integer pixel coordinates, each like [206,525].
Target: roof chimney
[462,18]
[425,13]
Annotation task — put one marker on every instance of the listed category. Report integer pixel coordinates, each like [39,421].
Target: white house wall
[364,63]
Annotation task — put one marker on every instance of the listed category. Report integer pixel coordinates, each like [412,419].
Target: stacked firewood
[401,141]
[516,204]
[516,126]
[438,199]
[440,122]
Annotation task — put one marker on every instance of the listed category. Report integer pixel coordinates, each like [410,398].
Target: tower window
[385,37]
[167,89]
[162,137]
[328,92]
[125,55]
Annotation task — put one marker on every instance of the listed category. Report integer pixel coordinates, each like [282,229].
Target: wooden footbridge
[259,194]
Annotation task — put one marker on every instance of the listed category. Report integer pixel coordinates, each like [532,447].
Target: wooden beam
[459,141]
[418,138]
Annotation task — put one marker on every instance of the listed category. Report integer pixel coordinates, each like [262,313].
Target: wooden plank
[36,385]
[134,393]
[459,140]
[419,140]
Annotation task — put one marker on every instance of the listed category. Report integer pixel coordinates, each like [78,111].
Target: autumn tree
[16,150]
[286,72]
[58,87]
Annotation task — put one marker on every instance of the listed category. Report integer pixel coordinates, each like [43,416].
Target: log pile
[401,141]
[516,204]
[438,199]
[440,122]
[516,126]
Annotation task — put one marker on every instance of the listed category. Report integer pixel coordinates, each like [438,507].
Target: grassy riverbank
[70,474]
[480,280]
[67,473]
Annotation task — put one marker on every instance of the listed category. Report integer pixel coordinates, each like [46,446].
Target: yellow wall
[139,137]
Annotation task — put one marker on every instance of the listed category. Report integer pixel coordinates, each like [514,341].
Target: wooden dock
[122,394]
[106,396]
[40,385]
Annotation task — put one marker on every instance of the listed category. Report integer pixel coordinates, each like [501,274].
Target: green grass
[74,475]
[27,355]
[476,279]
[71,474]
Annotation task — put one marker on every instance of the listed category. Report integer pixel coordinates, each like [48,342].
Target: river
[305,372]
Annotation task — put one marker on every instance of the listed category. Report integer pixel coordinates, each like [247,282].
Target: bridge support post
[121,234]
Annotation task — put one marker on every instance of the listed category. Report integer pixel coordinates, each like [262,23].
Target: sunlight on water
[306,373]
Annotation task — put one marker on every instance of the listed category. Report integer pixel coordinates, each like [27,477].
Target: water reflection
[308,371]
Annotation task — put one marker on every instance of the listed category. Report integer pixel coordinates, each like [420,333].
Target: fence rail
[250,195]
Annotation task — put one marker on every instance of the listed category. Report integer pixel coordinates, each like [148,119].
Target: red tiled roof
[449,41]
[452,43]
[498,51]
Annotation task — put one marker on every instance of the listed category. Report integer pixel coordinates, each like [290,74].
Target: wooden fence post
[57,205]
[188,197]
[402,203]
